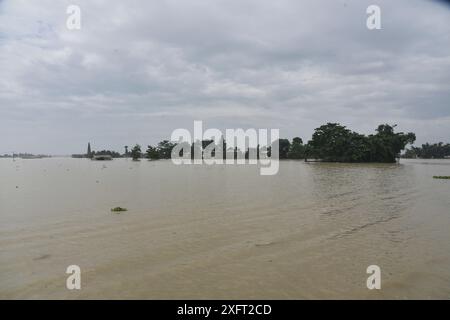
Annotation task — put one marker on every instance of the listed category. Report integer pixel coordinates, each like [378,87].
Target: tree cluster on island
[333,142]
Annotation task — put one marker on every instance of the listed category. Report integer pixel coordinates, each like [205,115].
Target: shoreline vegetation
[429,151]
[331,142]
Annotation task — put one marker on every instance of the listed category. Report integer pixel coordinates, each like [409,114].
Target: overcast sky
[137,70]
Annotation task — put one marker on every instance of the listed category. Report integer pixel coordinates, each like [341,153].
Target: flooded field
[215,232]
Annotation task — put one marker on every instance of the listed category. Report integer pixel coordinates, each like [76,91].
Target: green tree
[330,142]
[333,142]
[410,153]
[432,151]
[386,145]
[111,153]
[297,149]
[152,153]
[283,147]
[136,152]
[165,149]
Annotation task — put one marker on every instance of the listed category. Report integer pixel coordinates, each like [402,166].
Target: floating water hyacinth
[118,209]
[441,177]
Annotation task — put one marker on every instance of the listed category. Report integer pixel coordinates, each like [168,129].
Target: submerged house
[102,157]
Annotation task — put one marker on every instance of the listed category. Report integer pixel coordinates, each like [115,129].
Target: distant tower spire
[89,153]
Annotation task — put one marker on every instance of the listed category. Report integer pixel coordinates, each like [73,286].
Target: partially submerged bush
[441,177]
[118,209]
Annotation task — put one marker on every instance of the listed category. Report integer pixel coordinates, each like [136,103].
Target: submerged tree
[162,151]
[165,149]
[297,149]
[330,142]
[284,147]
[136,152]
[334,142]
[386,145]
[152,153]
[429,151]
[111,153]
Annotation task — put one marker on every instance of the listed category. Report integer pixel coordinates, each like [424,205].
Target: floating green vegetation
[118,209]
[441,177]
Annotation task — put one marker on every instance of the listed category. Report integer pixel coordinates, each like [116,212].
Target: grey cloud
[139,69]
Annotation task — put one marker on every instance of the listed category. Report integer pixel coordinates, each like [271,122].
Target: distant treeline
[330,142]
[429,151]
[25,156]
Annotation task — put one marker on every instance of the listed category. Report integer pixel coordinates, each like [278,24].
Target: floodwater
[217,232]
